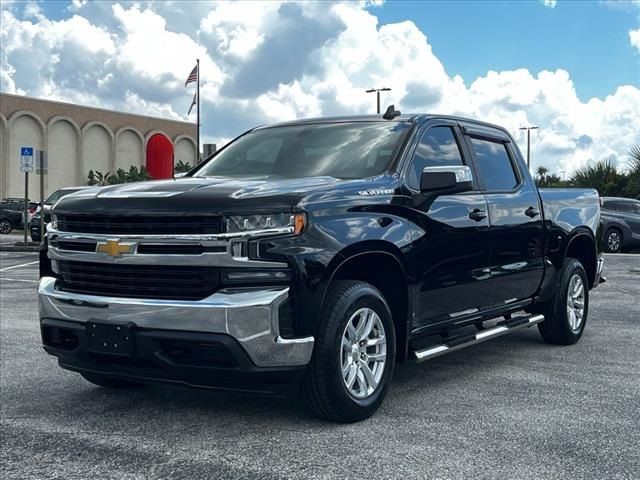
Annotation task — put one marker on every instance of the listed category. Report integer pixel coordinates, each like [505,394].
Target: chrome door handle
[532,212]
[477,215]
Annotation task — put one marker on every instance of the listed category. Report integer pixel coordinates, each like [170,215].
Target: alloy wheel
[575,302]
[363,353]
[5,226]
[613,241]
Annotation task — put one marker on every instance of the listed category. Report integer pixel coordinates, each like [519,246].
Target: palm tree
[541,176]
[634,163]
[632,189]
[602,175]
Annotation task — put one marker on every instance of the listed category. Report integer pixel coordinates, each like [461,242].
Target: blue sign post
[26,166]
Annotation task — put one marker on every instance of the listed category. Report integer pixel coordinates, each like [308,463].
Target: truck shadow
[181,406]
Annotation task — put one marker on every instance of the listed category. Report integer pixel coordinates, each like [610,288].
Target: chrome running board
[512,325]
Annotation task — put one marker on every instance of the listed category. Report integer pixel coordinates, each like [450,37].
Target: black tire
[107,382]
[613,241]
[5,226]
[323,388]
[556,328]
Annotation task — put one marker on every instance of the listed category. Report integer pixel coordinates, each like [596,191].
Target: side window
[637,208]
[626,207]
[437,147]
[494,164]
[609,205]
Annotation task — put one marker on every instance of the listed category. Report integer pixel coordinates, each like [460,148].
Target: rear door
[515,215]
[628,211]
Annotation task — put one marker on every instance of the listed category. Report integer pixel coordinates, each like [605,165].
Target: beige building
[78,139]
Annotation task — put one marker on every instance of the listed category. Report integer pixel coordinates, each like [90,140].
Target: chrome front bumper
[249,316]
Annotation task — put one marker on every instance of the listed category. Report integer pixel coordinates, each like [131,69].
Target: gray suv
[620,224]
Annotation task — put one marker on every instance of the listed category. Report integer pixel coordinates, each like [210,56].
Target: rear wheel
[613,241]
[353,360]
[107,382]
[5,226]
[565,315]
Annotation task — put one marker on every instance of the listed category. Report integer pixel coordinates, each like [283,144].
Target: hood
[189,195]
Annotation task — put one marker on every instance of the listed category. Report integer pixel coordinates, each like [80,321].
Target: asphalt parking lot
[511,408]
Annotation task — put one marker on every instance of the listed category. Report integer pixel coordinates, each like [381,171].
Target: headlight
[276,222]
[54,221]
[267,275]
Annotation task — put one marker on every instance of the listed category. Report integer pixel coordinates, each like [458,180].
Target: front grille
[140,225]
[165,282]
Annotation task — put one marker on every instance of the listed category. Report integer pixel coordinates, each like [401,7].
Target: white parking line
[18,266]
[3,279]
[621,255]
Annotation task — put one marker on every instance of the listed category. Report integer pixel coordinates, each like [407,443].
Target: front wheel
[565,315]
[353,360]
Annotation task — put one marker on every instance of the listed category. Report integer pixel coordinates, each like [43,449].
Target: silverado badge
[114,248]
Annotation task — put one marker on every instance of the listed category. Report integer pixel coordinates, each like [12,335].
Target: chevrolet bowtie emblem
[114,248]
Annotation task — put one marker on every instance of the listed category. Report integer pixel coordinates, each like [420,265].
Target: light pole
[378,90]
[528,129]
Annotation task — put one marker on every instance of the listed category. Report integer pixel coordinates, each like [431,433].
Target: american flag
[192,104]
[193,76]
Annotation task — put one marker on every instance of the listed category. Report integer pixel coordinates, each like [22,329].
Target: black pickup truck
[311,256]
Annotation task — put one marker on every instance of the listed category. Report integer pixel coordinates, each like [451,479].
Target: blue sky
[587,38]
[573,70]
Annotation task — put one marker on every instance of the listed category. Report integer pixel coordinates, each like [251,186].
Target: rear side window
[437,148]
[626,207]
[494,164]
[611,206]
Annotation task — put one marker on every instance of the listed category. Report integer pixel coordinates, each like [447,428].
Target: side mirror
[447,179]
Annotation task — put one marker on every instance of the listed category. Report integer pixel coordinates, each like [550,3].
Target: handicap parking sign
[26,159]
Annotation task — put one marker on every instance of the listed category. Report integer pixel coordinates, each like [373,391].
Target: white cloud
[76,5]
[634,39]
[549,3]
[265,62]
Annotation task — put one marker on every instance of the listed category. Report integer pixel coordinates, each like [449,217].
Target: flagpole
[198,113]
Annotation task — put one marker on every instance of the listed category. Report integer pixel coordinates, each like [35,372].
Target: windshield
[57,195]
[341,150]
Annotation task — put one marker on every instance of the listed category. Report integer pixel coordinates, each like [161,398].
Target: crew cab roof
[405,117]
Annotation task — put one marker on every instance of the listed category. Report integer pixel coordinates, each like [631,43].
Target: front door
[451,248]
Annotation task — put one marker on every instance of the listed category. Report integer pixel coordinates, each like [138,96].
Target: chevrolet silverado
[312,256]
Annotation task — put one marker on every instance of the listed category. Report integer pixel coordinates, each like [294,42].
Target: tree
[541,176]
[121,176]
[102,179]
[603,176]
[182,167]
[634,153]
[632,189]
